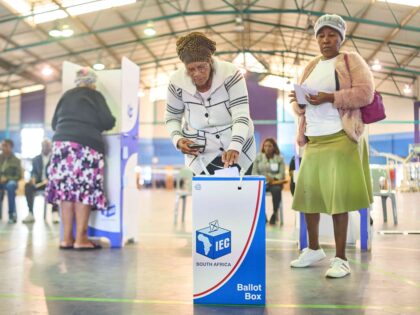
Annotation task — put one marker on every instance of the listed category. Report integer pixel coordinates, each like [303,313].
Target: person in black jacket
[76,170]
[39,181]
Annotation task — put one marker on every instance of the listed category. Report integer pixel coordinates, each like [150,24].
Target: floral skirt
[76,174]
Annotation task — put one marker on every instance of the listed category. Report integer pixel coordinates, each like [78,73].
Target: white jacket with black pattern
[221,124]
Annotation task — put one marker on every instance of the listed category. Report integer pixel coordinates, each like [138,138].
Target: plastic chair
[280,210]
[381,187]
[42,193]
[183,177]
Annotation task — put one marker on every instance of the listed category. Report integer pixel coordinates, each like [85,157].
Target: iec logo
[110,211]
[213,241]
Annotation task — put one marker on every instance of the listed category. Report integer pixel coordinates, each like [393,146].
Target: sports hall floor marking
[174,302]
[384,272]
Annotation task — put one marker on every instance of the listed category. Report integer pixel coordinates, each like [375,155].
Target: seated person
[39,181]
[292,169]
[10,173]
[270,163]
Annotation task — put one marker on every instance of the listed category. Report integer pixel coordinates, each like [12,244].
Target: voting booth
[117,223]
[229,240]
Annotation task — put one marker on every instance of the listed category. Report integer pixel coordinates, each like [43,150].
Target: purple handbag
[374,111]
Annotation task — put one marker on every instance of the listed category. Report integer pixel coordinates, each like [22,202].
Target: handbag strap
[346,59]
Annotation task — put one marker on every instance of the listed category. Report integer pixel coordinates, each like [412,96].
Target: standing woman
[270,163]
[334,176]
[76,171]
[208,107]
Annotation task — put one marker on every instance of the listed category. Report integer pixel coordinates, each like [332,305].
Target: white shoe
[308,257]
[29,218]
[55,217]
[338,268]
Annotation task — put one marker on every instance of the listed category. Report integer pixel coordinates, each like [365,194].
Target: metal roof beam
[263,12]
[394,32]
[86,28]
[171,34]
[130,24]
[14,69]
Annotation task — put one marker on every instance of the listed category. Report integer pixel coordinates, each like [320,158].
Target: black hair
[9,142]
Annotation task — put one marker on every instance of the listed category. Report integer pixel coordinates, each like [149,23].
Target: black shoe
[273,219]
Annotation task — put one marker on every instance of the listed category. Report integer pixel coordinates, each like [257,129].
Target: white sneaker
[338,268]
[308,257]
[55,217]
[29,218]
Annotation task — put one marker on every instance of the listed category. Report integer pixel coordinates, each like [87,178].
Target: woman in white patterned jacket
[207,112]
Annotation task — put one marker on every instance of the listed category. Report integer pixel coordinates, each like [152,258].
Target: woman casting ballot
[207,111]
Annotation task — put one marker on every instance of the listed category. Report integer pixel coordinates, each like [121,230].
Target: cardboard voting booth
[117,223]
[229,240]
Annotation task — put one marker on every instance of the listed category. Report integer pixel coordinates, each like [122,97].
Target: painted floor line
[384,272]
[174,302]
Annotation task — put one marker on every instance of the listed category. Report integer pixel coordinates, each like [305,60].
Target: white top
[322,119]
[205,96]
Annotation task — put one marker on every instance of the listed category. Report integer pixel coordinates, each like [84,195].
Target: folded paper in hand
[301,91]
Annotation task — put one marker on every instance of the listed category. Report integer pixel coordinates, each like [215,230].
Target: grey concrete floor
[154,276]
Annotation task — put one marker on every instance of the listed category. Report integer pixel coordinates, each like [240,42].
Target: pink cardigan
[348,99]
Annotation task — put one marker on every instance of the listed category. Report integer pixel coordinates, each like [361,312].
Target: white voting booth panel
[229,240]
[118,222]
[326,227]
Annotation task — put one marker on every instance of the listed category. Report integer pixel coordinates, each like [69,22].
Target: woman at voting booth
[76,171]
[212,98]
[334,176]
[270,163]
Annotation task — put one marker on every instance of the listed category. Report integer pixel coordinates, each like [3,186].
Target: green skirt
[334,176]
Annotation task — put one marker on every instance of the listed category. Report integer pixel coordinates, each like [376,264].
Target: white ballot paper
[301,91]
[227,172]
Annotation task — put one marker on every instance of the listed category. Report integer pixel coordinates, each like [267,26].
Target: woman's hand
[292,96]
[269,179]
[230,157]
[182,144]
[320,98]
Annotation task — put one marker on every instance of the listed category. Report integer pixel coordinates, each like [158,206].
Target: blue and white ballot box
[119,222]
[229,240]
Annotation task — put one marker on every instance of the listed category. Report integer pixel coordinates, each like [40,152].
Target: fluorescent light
[376,65]
[149,30]
[276,82]
[413,3]
[49,12]
[407,89]
[46,71]
[27,89]
[32,88]
[98,66]
[14,92]
[93,6]
[67,32]
[54,33]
